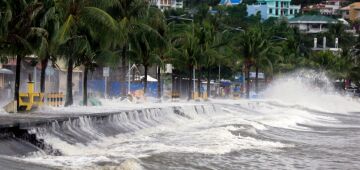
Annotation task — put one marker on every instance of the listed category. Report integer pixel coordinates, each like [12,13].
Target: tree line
[94,33]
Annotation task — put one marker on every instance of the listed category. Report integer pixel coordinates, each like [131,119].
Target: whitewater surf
[295,125]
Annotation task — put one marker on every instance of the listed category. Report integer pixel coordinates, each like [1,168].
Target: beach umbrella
[5,71]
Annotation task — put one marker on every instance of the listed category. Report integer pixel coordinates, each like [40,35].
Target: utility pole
[106,73]
[129,81]
[219,73]
[35,88]
[194,82]
[129,72]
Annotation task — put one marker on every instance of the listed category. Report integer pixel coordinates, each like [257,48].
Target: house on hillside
[273,8]
[351,12]
[230,2]
[167,4]
[330,7]
[312,23]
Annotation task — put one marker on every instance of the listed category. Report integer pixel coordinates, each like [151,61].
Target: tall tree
[252,45]
[48,19]
[215,50]
[80,15]
[17,30]
[93,55]
[186,50]
[127,13]
[147,40]
[158,22]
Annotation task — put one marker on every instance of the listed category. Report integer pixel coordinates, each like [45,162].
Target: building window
[277,3]
[276,12]
[291,11]
[270,11]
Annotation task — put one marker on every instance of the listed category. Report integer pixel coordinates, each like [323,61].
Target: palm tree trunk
[247,81]
[208,83]
[123,72]
[199,82]
[159,82]
[85,94]
[44,64]
[17,81]
[145,78]
[190,82]
[257,80]
[69,96]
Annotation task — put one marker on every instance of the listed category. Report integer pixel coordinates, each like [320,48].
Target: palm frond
[66,30]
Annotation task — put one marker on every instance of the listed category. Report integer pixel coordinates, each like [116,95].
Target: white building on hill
[167,4]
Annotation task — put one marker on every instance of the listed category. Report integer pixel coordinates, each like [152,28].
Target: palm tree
[295,50]
[252,46]
[17,30]
[157,21]
[127,13]
[47,19]
[186,48]
[269,53]
[92,56]
[80,15]
[147,41]
[338,31]
[217,46]
[355,51]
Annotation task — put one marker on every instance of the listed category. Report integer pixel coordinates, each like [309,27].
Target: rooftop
[355,5]
[230,2]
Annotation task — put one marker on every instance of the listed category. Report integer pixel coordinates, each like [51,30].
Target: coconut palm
[217,47]
[295,51]
[17,30]
[157,21]
[127,13]
[80,15]
[48,19]
[355,51]
[269,53]
[93,54]
[147,41]
[345,39]
[252,46]
[186,48]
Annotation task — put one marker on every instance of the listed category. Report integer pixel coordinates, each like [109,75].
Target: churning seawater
[298,124]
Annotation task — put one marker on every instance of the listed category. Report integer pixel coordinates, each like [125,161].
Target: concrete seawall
[38,119]
[21,134]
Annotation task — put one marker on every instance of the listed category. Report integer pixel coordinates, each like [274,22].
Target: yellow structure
[55,99]
[205,96]
[351,12]
[175,95]
[196,96]
[29,100]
